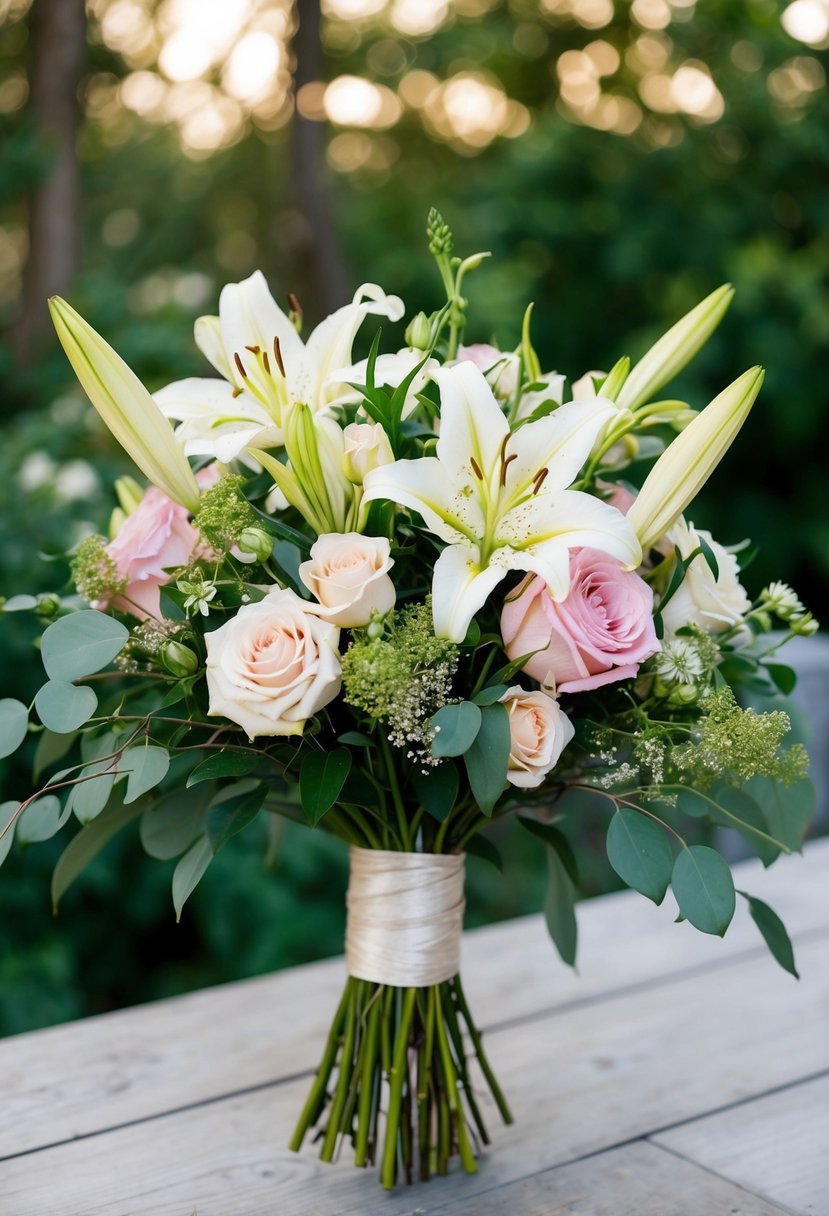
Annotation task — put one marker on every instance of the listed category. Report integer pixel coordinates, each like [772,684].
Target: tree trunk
[320,257]
[58,53]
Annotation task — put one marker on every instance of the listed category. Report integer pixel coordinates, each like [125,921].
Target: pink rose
[599,634]
[157,536]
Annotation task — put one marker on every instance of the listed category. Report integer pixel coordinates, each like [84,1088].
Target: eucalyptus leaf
[784,677]
[481,847]
[145,768]
[554,838]
[8,810]
[41,819]
[223,764]
[788,809]
[488,757]
[51,747]
[86,846]
[64,707]
[489,695]
[81,643]
[773,931]
[560,908]
[14,722]
[455,728]
[704,889]
[88,798]
[227,816]
[638,850]
[190,871]
[170,826]
[321,778]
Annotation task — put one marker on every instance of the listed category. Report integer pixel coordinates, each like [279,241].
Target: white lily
[500,499]
[687,463]
[254,345]
[125,406]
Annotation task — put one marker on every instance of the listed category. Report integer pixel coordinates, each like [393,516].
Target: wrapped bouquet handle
[405,916]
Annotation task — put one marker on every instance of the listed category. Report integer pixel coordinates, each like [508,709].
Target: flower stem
[316,1098]
[399,1075]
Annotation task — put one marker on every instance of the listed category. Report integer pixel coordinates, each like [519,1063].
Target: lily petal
[472,423]
[425,486]
[561,443]
[249,316]
[208,334]
[569,519]
[329,346]
[459,588]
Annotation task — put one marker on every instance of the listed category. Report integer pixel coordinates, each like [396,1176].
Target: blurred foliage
[619,163]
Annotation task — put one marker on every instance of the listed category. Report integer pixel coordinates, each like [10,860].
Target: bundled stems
[395,1063]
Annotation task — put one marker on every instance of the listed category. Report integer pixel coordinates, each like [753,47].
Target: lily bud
[256,542]
[675,348]
[687,463]
[129,494]
[125,406]
[419,332]
[179,659]
[117,519]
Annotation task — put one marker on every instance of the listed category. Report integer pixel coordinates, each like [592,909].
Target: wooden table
[677,1075]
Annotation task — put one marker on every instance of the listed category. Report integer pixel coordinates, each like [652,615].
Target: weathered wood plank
[777,1145]
[581,1080]
[81,1078]
[632,1181]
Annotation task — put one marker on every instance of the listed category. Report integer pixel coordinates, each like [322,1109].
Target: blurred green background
[620,161]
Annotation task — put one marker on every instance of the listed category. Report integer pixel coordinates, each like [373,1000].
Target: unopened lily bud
[295,311]
[117,520]
[366,447]
[256,542]
[179,659]
[419,332]
[130,494]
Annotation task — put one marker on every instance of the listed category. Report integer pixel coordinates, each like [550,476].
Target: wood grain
[777,1145]
[106,1071]
[582,1080]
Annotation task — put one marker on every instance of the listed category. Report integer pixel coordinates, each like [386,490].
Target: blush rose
[272,666]
[539,732]
[600,633]
[349,575]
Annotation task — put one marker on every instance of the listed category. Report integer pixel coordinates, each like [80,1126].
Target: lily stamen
[505,463]
[240,365]
[476,469]
[254,350]
[266,363]
[277,354]
[237,392]
[539,479]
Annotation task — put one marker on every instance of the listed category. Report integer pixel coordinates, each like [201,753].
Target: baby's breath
[740,743]
[224,514]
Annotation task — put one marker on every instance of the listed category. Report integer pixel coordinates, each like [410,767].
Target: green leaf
[41,819]
[773,931]
[788,809]
[227,816]
[8,810]
[638,850]
[170,826]
[560,908]
[321,778]
[355,738]
[487,759]
[554,838]
[223,764]
[189,872]
[51,747]
[479,846]
[64,707]
[704,889]
[737,809]
[784,677]
[437,789]
[692,803]
[456,727]
[489,695]
[86,846]
[81,643]
[145,768]
[14,722]
[708,554]
[88,798]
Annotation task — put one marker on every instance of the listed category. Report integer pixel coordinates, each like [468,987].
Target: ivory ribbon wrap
[405,915]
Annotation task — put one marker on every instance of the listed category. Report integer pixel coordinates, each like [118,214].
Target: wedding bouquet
[398,599]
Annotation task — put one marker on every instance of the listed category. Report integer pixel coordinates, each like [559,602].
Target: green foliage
[14,723]
[321,779]
[63,707]
[773,931]
[704,889]
[80,644]
[639,852]
[487,757]
[455,728]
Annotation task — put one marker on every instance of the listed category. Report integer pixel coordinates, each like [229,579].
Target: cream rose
[349,575]
[366,447]
[539,733]
[272,666]
[714,604]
